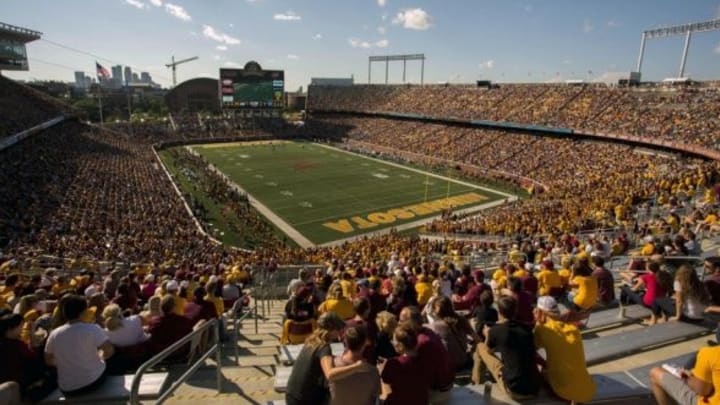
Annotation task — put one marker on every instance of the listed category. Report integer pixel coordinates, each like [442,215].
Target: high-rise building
[117,73]
[135,78]
[128,75]
[145,77]
[80,80]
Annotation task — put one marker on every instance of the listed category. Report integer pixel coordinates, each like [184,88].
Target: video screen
[252,89]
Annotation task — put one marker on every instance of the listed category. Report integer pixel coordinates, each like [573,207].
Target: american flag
[102,73]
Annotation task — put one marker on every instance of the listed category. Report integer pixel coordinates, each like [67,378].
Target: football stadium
[178,225]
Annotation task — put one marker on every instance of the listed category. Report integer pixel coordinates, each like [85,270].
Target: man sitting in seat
[701,385]
[78,350]
[169,327]
[565,369]
[516,373]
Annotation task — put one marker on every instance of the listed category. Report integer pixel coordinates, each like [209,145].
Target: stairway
[249,382]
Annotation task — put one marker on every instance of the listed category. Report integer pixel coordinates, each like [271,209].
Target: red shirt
[166,330]
[438,368]
[406,378]
[653,289]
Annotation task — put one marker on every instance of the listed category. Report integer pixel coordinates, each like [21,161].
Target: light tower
[174,64]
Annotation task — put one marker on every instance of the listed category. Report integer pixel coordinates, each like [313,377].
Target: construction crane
[174,64]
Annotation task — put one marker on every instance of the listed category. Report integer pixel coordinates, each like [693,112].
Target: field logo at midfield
[410,211]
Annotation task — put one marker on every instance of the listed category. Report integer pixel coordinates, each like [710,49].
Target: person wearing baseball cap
[565,369]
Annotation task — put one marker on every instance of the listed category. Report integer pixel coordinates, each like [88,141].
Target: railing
[214,349]
[236,325]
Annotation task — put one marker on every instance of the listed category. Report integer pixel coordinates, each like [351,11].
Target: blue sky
[464,40]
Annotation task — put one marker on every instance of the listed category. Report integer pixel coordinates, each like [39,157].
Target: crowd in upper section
[688,115]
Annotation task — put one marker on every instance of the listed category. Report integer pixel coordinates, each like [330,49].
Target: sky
[463,40]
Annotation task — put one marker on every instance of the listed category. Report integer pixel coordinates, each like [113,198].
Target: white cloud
[613,24]
[414,19]
[221,48]
[317,36]
[489,64]
[358,43]
[381,30]
[216,57]
[156,3]
[381,3]
[717,49]
[232,64]
[567,62]
[384,17]
[587,26]
[177,11]
[136,4]
[215,35]
[287,16]
[293,56]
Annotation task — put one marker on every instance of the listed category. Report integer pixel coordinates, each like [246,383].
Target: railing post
[218,357]
[256,318]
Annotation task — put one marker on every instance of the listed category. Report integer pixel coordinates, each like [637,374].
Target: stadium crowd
[409,328]
[687,114]
[139,274]
[35,108]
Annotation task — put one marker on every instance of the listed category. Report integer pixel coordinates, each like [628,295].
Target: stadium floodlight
[675,30]
[394,58]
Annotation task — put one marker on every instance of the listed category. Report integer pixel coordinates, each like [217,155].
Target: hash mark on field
[365,164]
[271,184]
[287,193]
[380,175]
[383,169]
[306,204]
[405,176]
[247,169]
[244,156]
[259,176]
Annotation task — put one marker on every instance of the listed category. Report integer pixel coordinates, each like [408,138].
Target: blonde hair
[154,305]
[436,287]
[112,317]
[386,322]
[327,324]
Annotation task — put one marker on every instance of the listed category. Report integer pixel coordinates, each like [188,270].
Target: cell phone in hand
[675,370]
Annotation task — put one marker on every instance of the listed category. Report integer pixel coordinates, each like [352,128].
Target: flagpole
[100,102]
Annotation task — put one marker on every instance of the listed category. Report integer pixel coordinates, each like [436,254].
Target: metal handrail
[215,349]
[236,324]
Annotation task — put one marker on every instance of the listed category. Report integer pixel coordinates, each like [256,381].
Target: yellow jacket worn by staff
[566,371]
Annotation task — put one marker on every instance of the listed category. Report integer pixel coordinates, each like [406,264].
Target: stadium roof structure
[19,33]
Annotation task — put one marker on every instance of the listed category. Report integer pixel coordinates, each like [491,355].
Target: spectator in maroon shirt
[524,300]
[366,290]
[404,376]
[22,363]
[147,290]
[362,318]
[438,367]
[530,285]
[712,278]
[606,284]
[471,298]
[198,308]
[168,328]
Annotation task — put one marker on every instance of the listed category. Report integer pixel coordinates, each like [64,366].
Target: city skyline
[503,41]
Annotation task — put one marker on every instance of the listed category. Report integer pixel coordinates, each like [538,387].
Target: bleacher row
[629,385]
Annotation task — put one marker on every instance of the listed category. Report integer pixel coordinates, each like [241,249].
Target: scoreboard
[252,88]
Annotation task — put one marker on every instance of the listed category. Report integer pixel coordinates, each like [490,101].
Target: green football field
[326,194]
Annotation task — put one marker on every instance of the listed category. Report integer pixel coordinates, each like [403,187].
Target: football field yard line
[352,186]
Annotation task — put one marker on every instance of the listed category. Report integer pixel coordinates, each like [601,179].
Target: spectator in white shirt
[78,350]
[123,332]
